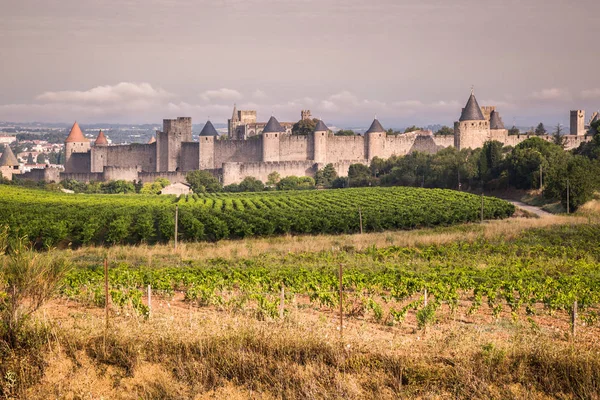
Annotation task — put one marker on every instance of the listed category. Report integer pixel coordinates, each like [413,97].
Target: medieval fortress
[258,149]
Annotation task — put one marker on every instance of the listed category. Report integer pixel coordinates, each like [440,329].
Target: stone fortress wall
[174,152]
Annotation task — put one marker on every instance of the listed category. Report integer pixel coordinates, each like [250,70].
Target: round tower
[472,130]
[75,143]
[207,138]
[375,137]
[270,140]
[101,140]
[320,142]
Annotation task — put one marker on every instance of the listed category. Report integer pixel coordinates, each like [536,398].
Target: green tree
[154,187]
[412,129]
[203,182]
[296,183]
[304,127]
[490,162]
[251,184]
[345,132]
[557,137]
[526,158]
[41,158]
[445,131]
[540,129]
[584,178]
[359,175]
[324,177]
[30,159]
[118,187]
[273,178]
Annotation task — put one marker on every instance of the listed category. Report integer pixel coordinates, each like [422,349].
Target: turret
[375,137]
[8,158]
[9,164]
[496,121]
[207,138]
[320,142]
[270,140]
[75,143]
[101,140]
[472,130]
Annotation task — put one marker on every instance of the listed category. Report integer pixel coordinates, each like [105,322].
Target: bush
[28,280]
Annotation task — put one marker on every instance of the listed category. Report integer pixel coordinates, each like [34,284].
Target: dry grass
[205,354]
[191,353]
[232,249]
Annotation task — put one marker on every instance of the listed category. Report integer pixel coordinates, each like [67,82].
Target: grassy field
[226,348]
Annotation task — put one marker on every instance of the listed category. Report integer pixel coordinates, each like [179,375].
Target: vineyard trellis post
[341,275]
[360,219]
[482,207]
[105,303]
[574,319]
[567,195]
[541,181]
[149,301]
[282,301]
[176,218]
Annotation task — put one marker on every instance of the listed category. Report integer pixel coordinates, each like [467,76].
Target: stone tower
[168,143]
[472,130]
[577,122]
[9,165]
[320,142]
[375,138]
[270,140]
[75,143]
[207,138]
[233,123]
[101,140]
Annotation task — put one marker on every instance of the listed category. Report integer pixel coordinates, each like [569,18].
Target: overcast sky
[408,62]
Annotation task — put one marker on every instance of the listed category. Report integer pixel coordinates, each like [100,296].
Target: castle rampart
[175,153]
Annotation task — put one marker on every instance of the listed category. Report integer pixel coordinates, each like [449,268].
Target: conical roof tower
[321,127]
[496,121]
[8,158]
[472,111]
[209,130]
[375,127]
[101,140]
[76,135]
[273,126]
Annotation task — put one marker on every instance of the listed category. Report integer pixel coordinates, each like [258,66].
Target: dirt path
[532,209]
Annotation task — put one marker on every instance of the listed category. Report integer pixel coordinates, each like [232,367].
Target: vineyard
[541,273]
[58,219]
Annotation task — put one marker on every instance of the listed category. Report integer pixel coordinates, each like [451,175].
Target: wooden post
[574,319]
[360,219]
[341,304]
[282,301]
[149,301]
[567,195]
[105,302]
[425,298]
[541,181]
[481,207]
[176,218]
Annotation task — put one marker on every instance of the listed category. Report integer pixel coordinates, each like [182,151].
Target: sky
[405,62]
